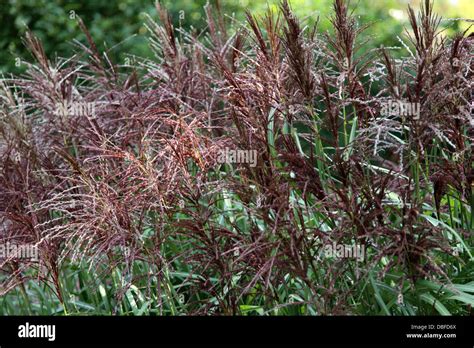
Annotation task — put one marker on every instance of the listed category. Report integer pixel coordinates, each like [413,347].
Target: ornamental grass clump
[120,174]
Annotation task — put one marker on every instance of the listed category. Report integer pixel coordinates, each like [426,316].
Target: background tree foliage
[119,23]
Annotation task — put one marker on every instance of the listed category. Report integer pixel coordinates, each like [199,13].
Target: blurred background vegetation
[120,23]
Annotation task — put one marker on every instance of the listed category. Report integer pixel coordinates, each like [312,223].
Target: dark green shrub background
[113,21]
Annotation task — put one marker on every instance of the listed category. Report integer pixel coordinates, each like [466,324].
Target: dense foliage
[119,23]
[133,212]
